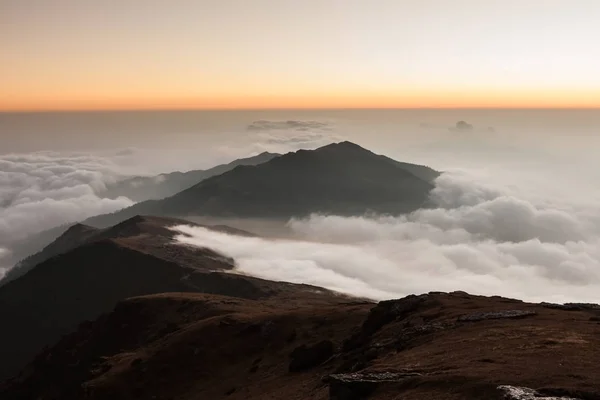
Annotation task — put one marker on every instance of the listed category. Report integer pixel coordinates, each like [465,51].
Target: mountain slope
[79,234]
[435,346]
[133,258]
[25,254]
[142,188]
[70,238]
[341,178]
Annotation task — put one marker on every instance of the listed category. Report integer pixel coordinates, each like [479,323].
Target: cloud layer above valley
[43,190]
[39,191]
[485,239]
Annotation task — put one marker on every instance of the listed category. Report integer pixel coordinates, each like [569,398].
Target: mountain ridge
[136,257]
[340,178]
[79,233]
[140,188]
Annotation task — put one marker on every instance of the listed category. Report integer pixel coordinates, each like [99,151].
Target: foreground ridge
[434,346]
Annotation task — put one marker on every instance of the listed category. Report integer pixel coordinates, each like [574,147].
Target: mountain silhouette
[340,178]
[142,188]
[31,251]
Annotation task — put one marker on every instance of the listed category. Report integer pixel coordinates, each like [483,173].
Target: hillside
[341,178]
[142,188]
[79,234]
[26,253]
[434,346]
[91,270]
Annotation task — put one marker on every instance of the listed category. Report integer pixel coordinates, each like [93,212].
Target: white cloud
[4,254]
[283,137]
[39,191]
[42,190]
[484,239]
[289,125]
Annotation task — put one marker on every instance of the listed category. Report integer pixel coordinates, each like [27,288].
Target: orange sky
[359,100]
[84,54]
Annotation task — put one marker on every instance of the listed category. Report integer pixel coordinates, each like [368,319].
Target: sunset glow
[83,54]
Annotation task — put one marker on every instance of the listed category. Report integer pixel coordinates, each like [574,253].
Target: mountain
[341,178]
[436,346]
[31,251]
[142,188]
[22,251]
[79,234]
[87,271]
[69,238]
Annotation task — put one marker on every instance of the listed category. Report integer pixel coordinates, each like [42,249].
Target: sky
[239,54]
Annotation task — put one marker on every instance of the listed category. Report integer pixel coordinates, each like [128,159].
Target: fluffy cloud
[43,190]
[481,238]
[39,191]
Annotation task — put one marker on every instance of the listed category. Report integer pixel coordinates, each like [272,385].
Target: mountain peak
[342,146]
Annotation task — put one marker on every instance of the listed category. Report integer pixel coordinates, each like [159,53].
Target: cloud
[4,263]
[43,190]
[485,239]
[291,125]
[462,126]
[39,191]
[283,137]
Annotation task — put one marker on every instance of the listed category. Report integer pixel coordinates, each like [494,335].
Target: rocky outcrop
[523,393]
[511,314]
[359,386]
[384,313]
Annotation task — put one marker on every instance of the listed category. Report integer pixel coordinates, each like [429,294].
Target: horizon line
[242,109]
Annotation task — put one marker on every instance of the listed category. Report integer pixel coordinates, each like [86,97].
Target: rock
[562,393]
[358,386]
[522,393]
[405,336]
[304,357]
[513,314]
[382,314]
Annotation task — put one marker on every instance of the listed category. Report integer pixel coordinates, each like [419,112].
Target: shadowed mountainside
[436,346]
[88,271]
[141,188]
[341,178]
[26,254]
[151,228]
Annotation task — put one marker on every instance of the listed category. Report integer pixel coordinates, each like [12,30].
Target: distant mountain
[68,237]
[93,269]
[341,178]
[22,250]
[79,234]
[28,253]
[142,188]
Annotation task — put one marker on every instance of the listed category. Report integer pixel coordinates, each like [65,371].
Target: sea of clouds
[481,238]
[48,189]
[521,226]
